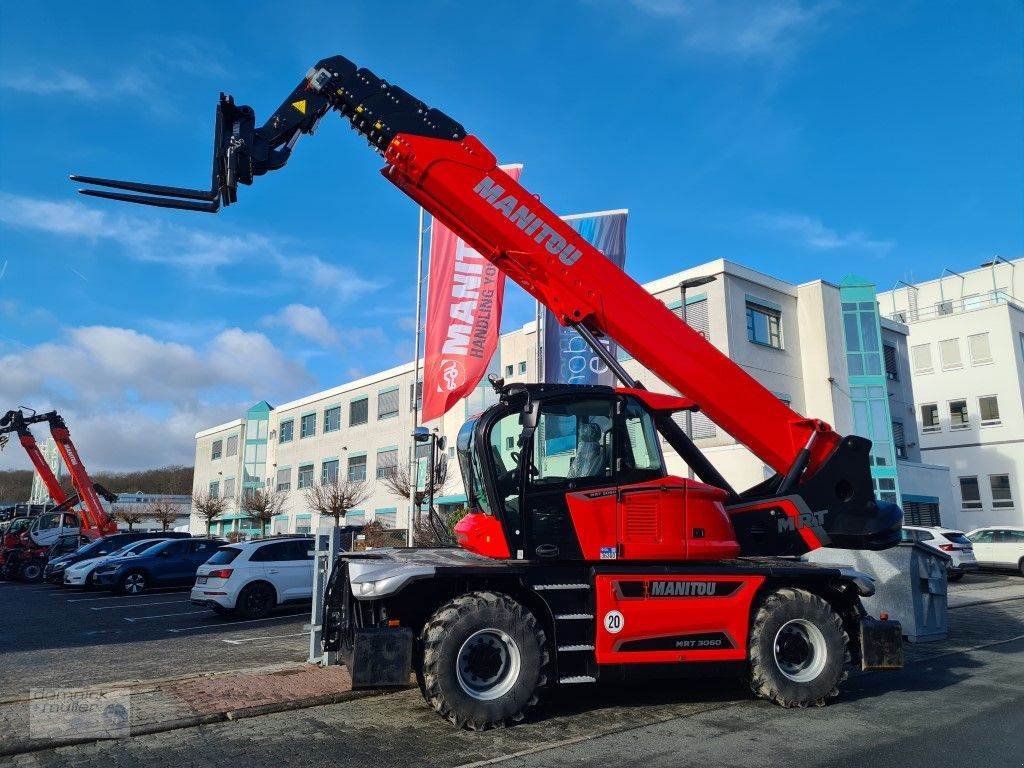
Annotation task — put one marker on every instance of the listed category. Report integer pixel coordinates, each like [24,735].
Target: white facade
[967,359]
[798,351]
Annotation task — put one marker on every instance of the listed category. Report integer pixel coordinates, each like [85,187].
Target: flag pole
[413,473]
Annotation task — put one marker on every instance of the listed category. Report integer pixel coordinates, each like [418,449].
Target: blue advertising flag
[567,358]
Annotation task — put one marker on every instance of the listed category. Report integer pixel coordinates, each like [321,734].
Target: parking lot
[54,637]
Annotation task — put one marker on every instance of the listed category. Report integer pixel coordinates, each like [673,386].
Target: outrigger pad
[881,644]
[380,658]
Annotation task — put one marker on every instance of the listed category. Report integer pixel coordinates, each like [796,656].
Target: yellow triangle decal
[300,105]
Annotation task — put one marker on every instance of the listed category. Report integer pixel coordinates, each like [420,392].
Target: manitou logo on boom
[805,520]
[528,221]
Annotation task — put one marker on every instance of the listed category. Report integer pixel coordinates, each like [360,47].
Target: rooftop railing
[947,307]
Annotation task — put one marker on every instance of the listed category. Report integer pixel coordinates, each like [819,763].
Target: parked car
[946,540]
[80,574]
[999,546]
[170,563]
[54,571]
[254,577]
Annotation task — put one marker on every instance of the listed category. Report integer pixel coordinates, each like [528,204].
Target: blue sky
[804,139]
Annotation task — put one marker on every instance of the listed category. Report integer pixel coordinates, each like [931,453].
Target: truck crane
[78,514]
[588,562]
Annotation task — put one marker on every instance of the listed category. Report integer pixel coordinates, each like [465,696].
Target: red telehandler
[80,515]
[589,561]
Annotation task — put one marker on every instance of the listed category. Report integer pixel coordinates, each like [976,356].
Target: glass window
[982,537]
[641,450]
[287,433]
[332,419]
[387,517]
[764,326]
[224,555]
[329,472]
[215,489]
[891,364]
[899,440]
[979,348]
[988,407]
[279,551]
[307,425]
[573,441]
[522,366]
[216,450]
[229,487]
[930,418]
[284,479]
[958,417]
[921,354]
[357,468]
[358,412]
[387,404]
[305,476]
[387,462]
[1002,498]
[970,493]
[949,354]
[231,446]
[508,370]
[416,396]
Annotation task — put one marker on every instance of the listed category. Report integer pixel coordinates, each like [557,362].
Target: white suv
[999,546]
[252,578]
[953,543]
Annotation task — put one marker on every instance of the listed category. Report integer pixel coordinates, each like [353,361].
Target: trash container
[910,585]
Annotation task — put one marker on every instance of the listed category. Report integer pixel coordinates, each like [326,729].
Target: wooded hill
[16,484]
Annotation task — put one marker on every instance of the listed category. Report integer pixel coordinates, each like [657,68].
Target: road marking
[241,640]
[118,597]
[132,605]
[160,616]
[230,623]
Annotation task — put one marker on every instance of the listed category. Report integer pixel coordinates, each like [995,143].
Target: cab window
[573,441]
[642,452]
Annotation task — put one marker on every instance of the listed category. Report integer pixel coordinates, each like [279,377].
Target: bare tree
[337,497]
[438,531]
[400,482]
[208,507]
[164,511]
[263,506]
[129,514]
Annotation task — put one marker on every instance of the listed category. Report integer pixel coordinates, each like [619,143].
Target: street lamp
[692,282]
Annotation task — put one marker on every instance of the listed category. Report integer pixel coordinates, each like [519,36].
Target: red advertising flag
[463,318]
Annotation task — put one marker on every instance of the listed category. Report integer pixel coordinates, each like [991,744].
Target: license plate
[201,580]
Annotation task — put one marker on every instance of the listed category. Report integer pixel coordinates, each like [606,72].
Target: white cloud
[307,322]
[811,233]
[741,28]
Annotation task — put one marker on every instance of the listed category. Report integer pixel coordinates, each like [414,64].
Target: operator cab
[554,470]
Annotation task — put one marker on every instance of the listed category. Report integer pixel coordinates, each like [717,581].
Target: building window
[970,493]
[416,396]
[287,431]
[958,417]
[387,517]
[332,419]
[860,329]
[358,412]
[921,355]
[216,449]
[387,462]
[329,472]
[387,403]
[307,425]
[522,366]
[510,443]
[764,326]
[231,446]
[949,354]
[871,419]
[899,440]
[509,370]
[305,476]
[284,479]
[988,407]
[892,371]
[979,348]
[1001,496]
[215,489]
[229,487]
[357,468]
[930,418]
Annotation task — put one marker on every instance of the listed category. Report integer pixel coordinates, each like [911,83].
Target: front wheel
[31,572]
[485,660]
[798,649]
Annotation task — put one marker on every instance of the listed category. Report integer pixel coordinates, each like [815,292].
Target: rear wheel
[134,583]
[32,571]
[485,660]
[798,649]
[256,601]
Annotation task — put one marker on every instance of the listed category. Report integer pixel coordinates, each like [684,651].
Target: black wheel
[133,583]
[1020,567]
[256,601]
[954,575]
[485,660]
[31,572]
[798,649]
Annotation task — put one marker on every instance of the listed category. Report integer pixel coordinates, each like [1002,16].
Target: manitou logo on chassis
[683,588]
[528,221]
[805,520]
